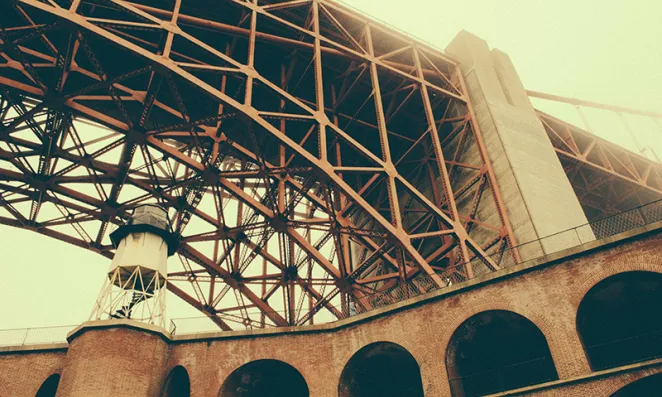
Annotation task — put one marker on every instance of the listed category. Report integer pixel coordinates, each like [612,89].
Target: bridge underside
[308,156]
[607,178]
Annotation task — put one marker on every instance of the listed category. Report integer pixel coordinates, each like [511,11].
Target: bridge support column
[537,193]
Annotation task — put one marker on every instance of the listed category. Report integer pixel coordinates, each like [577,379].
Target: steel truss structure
[607,178]
[310,157]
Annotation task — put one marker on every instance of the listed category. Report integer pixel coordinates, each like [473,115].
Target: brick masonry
[127,360]
[22,374]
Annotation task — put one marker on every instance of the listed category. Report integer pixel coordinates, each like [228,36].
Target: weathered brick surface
[603,387]
[114,362]
[549,297]
[22,374]
[125,362]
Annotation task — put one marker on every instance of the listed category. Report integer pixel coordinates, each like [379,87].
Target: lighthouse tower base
[135,293]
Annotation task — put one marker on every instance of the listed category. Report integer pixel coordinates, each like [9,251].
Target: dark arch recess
[177,384]
[648,386]
[497,350]
[264,378]
[381,369]
[619,320]
[49,387]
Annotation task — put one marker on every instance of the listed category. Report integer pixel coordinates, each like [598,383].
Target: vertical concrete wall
[538,195]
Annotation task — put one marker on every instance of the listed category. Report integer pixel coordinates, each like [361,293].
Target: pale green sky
[607,51]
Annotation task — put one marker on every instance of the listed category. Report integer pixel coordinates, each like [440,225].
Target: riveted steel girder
[309,156]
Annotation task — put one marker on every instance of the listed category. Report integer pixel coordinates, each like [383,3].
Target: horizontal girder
[309,157]
[607,178]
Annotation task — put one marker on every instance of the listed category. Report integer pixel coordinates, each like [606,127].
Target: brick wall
[602,387]
[113,362]
[130,362]
[21,374]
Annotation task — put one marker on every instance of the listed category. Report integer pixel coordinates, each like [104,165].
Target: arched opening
[264,378]
[381,369]
[497,350]
[648,386]
[177,384]
[619,320]
[49,387]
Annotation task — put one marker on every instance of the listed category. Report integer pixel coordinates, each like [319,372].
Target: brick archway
[630,263]
[620,264]
[217,377]
[256,376]
[543,325]
[177,382]
[616,318]
[625,381]
[49,386]
[555,341]
[381,334]
[369,340]
[640,386]
[373,368]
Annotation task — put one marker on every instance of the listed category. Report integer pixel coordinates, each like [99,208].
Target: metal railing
[197,325]
[527,252]
[392,27]
[422,284]
[34,336]
[509,377]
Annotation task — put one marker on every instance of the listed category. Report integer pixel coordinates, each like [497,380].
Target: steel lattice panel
[308,156]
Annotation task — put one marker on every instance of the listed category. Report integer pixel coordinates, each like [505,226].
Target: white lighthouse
[136,284]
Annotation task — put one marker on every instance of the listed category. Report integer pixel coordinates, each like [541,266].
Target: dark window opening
[178,383]
[495,351]
[381,370]
[648,386]
[264,378]
[619,320]
[49,387]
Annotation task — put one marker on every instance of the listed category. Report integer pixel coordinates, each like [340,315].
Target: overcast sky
[607,51]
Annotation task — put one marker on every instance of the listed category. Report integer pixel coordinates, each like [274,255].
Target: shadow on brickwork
[264,378]
[648,386]
[619,320]
[497,350]
[381,369]
[49,387]
[178,383]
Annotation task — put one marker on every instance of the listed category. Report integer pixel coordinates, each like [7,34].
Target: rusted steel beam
[347,211]
[580,102]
